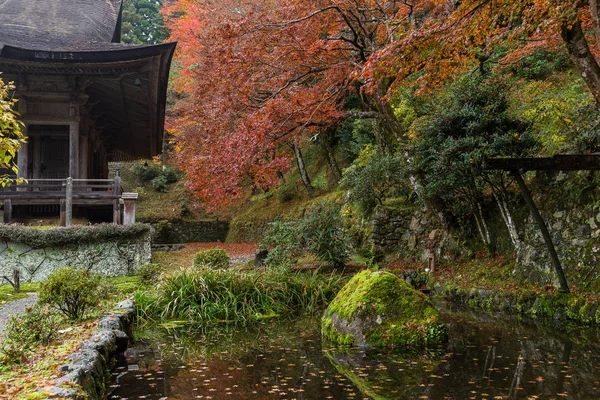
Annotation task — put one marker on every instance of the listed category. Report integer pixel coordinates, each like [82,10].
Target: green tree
[142,22]
[11,136]
[462,127]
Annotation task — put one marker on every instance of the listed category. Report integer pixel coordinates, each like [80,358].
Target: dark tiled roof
[59,25]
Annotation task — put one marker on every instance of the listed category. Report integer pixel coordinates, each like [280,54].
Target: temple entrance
[49,147]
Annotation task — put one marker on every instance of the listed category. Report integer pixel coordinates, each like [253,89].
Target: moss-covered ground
[497,284]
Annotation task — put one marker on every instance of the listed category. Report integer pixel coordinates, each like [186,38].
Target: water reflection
[486,358]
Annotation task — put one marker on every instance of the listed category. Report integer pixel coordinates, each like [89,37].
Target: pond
[487,357]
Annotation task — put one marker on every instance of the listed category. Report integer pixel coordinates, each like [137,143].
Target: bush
[283,237]
[212,258]
[37,326]
[149,273]
[373,178]
[146,172]
[323,232]
[160,184]
[71,291]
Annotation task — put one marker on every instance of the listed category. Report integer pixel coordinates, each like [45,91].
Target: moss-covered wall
[111,250]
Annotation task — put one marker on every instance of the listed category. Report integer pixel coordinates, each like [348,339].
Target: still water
[487,357]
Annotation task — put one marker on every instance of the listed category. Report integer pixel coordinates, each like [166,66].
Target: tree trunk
[302,168]
[333,165]
[508,220]
[582,57]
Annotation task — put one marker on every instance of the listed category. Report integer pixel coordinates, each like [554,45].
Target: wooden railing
[65,192]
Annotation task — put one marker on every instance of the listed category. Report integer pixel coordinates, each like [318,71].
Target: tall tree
[142,22]
[260,73]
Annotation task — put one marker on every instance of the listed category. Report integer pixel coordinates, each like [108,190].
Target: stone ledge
[85,376]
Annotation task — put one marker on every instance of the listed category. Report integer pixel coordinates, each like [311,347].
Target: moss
[388,309]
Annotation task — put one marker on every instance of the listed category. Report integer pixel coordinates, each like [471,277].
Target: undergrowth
[204,295]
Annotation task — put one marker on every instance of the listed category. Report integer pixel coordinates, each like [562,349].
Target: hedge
[36,237]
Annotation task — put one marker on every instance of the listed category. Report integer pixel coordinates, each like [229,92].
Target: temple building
[85,98]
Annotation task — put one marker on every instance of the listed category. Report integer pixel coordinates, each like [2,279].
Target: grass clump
[71,290]
[205,295]
[212,258]
[149,273]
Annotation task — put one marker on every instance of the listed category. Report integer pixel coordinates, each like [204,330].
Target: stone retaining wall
[180,231]
[108,250]
[86,372]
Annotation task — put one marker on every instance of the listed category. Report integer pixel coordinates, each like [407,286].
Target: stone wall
[110,250]
[180,231]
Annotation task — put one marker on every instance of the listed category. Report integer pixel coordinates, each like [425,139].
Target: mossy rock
[377,309]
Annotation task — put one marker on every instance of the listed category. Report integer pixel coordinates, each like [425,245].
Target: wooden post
[23,157]
[117,201]
[16,280]
[129,208]
[564,287]
[63,212]
[74,149]
[69,203]
[7,211]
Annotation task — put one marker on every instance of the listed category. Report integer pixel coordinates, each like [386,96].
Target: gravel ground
[15,307]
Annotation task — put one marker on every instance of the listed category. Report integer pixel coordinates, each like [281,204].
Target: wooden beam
[575,162]
[564,287]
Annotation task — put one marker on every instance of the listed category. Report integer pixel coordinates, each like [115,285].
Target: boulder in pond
[378,309]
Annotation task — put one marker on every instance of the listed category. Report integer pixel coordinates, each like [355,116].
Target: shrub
[322,231]
[372,178]
[71,290]
[212,258]
[149,273]
[36,326]
[160,184]
[283,237]
[146,172]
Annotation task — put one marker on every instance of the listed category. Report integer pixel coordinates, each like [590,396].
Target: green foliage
[372,178]
[71,290]
[159,176]
[160,184]
[216,258]
[283,237]
[561,114]
[149,273]
[541,65]
[463,126]
[321,232]
[40,238]
[142,22]
[23,332]
[206,295]
[11,137]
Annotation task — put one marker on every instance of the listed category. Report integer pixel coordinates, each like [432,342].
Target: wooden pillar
[117,201]
[84,152]
[7,211]
[36,145]
[69,203]
[23,156]
[129,208]
[74,149]
[564,287]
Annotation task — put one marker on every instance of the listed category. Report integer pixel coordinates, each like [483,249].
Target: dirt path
[15,307]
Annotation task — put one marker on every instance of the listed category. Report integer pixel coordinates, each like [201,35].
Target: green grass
[7,292]
[205,296]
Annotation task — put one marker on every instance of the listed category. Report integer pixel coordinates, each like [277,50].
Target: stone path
[15,307]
